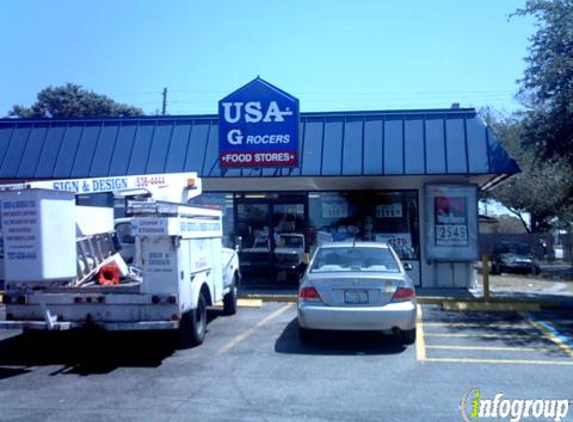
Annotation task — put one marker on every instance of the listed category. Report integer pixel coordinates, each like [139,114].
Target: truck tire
[194,324]
[230,299]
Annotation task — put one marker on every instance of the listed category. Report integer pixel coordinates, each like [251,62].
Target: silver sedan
[357,286]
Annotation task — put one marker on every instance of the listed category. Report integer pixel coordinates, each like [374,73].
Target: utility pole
[164,106]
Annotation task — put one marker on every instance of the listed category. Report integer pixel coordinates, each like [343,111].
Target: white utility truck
[62,268]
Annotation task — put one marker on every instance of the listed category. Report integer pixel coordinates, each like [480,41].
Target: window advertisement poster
[451,222]
[334,209]
[389,210]
[401,242]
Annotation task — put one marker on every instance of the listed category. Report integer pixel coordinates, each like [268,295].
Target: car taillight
[403,294]
[309,294]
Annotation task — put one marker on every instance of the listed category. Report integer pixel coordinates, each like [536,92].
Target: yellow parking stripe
[421,347]
[484,335]
[243,336]
[504,361]
[420,342]
[477,325]
[493,348]
[550,336]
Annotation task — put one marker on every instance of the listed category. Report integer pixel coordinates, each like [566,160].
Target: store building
[406,177]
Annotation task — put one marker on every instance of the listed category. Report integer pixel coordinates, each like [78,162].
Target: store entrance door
[271,234]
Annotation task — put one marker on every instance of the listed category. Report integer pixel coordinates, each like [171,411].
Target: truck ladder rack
[92,253]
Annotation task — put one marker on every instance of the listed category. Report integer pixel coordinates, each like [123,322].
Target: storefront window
[391,217]
[223,201]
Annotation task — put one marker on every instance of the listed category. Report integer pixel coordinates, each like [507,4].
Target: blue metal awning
[378,143]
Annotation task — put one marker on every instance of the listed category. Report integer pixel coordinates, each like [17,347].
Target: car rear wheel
[408,336]
[304,334]
[193,324]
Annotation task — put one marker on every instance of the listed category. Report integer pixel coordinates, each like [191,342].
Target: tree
[72,100]
[509,224]
[542,189]
[547,84]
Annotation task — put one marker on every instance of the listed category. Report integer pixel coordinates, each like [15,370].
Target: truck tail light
[403,294]
[309,294]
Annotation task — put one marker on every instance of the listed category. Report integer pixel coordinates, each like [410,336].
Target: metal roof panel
[395,142]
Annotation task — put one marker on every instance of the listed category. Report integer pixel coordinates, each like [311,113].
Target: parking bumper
[320,317]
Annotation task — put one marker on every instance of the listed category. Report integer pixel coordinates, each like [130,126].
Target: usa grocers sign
[258,127]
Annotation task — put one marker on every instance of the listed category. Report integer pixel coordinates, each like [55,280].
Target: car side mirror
[407,266]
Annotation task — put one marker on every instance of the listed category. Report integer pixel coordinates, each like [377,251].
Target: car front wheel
[230,299]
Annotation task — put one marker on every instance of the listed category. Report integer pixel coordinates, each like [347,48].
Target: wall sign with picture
[451,222]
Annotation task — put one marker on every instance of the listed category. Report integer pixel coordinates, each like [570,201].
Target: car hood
[292,251]
[266,250]
[516,257]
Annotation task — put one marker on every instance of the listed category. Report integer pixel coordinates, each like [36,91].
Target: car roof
[346,244]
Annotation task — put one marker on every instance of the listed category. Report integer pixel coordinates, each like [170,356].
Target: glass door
[271,234]
[253,231]
[289,241]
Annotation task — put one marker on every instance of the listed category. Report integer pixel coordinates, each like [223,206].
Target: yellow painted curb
[433,300]
[244,303]
[495,304]
[481,306]
[249,303]
[271,298]
[436,300]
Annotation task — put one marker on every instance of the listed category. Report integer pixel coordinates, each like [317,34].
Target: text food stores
[289,181]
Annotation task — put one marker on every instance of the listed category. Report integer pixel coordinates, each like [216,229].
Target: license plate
[356,296]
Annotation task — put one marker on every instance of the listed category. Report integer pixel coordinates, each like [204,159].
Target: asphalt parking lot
[252,367]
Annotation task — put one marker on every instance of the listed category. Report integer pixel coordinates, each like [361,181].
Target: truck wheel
[199,321]
[230,299]
[193,325]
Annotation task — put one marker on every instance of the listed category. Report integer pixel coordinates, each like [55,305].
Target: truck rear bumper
[109,326]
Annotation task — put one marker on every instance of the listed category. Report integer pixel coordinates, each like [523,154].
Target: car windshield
[364,259]
[261,243]
[516,248]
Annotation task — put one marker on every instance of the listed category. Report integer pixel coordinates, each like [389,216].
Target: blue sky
[331,54]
